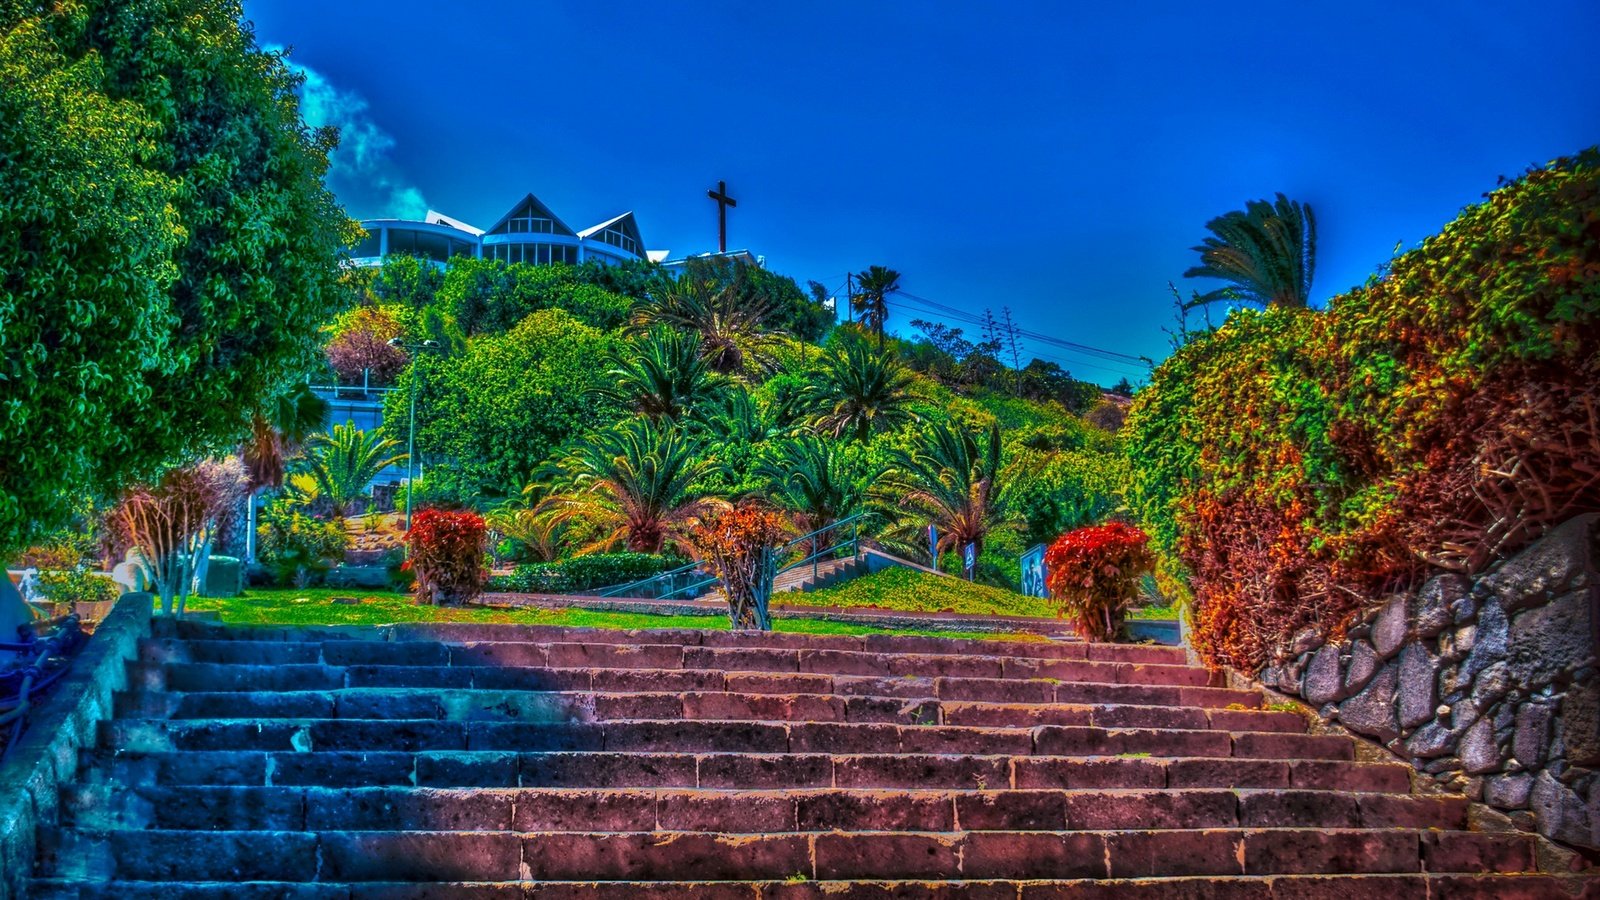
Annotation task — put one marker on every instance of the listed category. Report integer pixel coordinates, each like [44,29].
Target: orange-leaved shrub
[1294,465]
[736,544]
[447,548]
[1094,575]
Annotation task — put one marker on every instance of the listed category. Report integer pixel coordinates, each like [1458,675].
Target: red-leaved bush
[737,545]
[1094,576]
[447,555]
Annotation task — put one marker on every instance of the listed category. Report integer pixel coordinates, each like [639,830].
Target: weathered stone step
[357,856]
[707,736]
[206,677]
[101,807]
[470,704]
[333,655]
[458,633]
[1276,887]
[731,770]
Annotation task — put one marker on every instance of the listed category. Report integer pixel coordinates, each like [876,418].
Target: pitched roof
[625,223]
[534,204]
[438,218]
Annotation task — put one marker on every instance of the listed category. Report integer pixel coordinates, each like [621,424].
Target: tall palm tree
[344,461]
[660,374]
[955,481]
[732,330]
[635,483]
[818,482]
[871,299]
[278,432]
[859,392]
[1266,254]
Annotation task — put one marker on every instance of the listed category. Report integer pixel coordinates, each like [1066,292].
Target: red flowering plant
[1094,576]
[447,555]
[737,546]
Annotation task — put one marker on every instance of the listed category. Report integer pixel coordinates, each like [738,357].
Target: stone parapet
[1485,684]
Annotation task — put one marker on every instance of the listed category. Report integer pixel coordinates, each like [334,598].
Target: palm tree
[859,392]
[871,299]
[1266,254]
[278,432]
[636,484]
[818,482]
[661,375]
[345,460]
[955,482]
[732,332]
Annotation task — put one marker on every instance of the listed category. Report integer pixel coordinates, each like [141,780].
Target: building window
[527,225]
[618,238]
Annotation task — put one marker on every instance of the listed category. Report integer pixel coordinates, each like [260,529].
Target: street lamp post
[411,438]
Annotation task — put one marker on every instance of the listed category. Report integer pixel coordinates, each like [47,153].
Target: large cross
[723,202]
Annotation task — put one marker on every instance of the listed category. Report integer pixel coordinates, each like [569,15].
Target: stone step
[458,633]
[413,856]
[104,807]
[329,656]
[535,706]
[1277,887]
[211,677]
[731,770]
[708,736]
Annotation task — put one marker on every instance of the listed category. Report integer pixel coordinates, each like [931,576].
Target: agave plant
[660,374]
[954,481]
[1266,254]
[859,392]
[344,461]
[732,332]
[635,484]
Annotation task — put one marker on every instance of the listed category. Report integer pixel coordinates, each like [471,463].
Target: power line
[1048,339]
[1137,368]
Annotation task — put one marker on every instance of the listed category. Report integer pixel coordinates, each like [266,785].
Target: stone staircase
[500,761]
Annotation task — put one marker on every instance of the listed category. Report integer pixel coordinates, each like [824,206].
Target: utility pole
[411,438]
[849,295]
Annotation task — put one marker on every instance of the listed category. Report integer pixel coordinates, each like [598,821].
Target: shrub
[1095,575]
[737,545]
[290,543]
[78,586]
[1293,463]
[583,573]
[447,548]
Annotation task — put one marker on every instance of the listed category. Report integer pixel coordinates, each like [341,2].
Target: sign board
[970,559]
[1034,572]
[933,545]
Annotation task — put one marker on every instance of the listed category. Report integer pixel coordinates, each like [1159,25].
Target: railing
[690,581]
[21,685]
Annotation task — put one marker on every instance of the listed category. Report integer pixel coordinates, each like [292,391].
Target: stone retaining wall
[1488,685]
[65,721]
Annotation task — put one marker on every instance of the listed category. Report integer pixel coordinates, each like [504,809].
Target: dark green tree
[871,299]
[953,480]
[858,392]
[661,374]
[1266,254]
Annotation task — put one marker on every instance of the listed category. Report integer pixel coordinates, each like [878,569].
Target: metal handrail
[815,557]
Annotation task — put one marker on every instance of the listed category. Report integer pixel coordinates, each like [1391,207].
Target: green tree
[489,415]
[858,392]
[637,483]
[871,299]
[344,461]
[787,307]
[661,374]
[161,188]
[953,479]
[488,296]
[731,331]
[1266,254]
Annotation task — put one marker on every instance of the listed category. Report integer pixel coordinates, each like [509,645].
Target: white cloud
[361,171]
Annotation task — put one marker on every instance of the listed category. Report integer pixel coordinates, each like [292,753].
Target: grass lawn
[315,606]
[914,591]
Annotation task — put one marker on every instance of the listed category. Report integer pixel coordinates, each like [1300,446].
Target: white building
[530,232]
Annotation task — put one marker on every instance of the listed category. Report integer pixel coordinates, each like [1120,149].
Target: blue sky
[1057,158]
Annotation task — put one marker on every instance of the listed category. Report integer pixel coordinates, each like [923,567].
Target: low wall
[65,721]
[1488,685]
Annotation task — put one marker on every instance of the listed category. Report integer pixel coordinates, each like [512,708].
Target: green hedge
[583,573]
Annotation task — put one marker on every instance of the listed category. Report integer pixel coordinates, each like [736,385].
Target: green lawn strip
[1154,612]
[913,591]
[315,606]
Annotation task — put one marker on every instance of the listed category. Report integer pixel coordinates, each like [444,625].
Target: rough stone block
[1435,603]
[1564,815]
[1508,791]
[1372,711]
[1305,851]
[1489,641]
[1391,627]
[1561,560]
[1363,665]
[1418,691]
[1580,722]
[1531,742]
[1467,851]
[1478,751]
[1553,639]
[1145,854]
[1323,682]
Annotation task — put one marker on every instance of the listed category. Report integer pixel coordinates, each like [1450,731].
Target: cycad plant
[1266,253]
[660,374]
[817,482]
[732,330]
[954,481]
[859,392]
[344,461]
[636,484]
